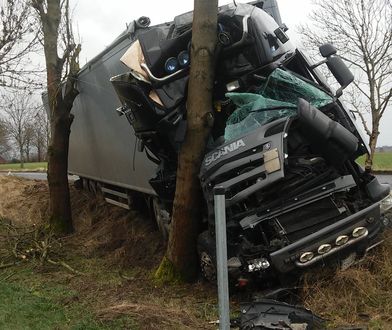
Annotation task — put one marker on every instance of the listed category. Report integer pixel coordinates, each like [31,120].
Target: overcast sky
[99,22]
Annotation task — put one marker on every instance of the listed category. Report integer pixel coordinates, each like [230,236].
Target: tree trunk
[27,153]
[59,201]
[21,157]
[39,152]
[61,96]
[181,257]
[372,145]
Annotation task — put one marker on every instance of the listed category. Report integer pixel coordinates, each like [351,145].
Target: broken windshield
[277,98]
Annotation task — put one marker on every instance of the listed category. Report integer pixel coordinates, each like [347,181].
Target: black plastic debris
[276,315]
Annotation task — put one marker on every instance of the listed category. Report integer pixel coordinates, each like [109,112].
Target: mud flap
[271,314]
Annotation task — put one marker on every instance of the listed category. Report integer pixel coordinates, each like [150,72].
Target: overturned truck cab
[283,146]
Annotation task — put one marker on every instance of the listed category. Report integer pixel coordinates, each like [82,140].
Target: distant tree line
[24,128]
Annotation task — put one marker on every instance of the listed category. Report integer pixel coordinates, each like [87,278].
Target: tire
[207,256]
[162,218]
[78,184]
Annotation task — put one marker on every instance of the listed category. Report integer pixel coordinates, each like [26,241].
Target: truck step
[114,192]
[117,203]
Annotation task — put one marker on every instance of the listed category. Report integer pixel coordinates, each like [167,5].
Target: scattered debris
[275,315]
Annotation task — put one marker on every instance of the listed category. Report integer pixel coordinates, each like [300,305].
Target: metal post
[221,258]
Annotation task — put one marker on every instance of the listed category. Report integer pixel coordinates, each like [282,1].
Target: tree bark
[181,254]
[21,156]
[39,152]
[372,145]
[59,201]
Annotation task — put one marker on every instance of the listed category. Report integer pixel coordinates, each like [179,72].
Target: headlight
[359,231]
[305,257]
[341,240]
[258,264]
[386,204]
[324,248]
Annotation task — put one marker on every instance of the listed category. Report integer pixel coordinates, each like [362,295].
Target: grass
[115,253]
[382,161]
[26,166]
[360,295]
[29,300]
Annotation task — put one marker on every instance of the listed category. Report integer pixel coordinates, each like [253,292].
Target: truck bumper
[366,224]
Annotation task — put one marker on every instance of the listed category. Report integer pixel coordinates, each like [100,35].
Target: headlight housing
[386,204]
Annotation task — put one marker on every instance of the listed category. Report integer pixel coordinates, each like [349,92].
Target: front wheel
[162,218]
[207,256]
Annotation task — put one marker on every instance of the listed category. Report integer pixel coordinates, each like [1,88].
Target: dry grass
[359,295]
[23,201]
[118,251]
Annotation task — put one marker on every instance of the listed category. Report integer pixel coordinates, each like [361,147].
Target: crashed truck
[283,146]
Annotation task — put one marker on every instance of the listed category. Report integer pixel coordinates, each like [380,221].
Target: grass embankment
[382,161]
[26,167]
[30,301]
[360,295]
[117,253]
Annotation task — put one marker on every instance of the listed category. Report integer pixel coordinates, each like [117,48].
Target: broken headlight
[386,204]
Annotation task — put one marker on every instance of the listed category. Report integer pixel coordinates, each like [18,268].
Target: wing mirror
[338,68]
[327,50]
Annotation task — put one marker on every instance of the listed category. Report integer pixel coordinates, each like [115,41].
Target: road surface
[35,175]
[385,179]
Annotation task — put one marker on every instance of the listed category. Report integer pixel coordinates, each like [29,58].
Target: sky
[99,22]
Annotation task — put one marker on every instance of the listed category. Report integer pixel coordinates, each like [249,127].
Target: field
[26,167]
[382,161]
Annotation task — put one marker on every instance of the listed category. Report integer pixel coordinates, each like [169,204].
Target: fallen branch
[9,265]
[65,265]
[7,277]
[31,243]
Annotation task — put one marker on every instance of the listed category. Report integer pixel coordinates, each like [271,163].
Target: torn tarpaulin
[267,314]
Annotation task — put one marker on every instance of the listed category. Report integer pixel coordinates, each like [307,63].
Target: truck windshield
[277,98]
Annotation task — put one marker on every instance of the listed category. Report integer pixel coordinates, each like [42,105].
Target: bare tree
[4,143]
[181,256]
[18,39]
[61,57]
[29,133]
[40,138]
[362,31]
[17,109]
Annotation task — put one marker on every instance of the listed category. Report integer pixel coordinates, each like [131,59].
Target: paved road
[36,175]
[385,179]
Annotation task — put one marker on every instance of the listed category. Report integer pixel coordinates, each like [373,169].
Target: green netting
[276,99]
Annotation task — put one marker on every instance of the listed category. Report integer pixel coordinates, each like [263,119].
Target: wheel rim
[207,267]
[162,223]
